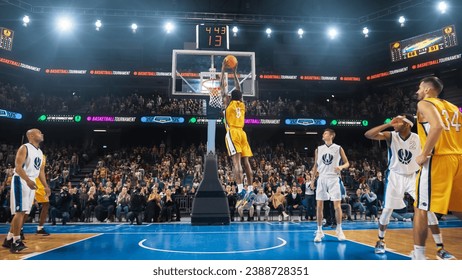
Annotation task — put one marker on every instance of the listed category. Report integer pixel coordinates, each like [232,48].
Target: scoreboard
[6,38]
[212,37]
[423,44]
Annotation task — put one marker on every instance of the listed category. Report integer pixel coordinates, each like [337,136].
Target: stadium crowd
[158,183]
[392,102]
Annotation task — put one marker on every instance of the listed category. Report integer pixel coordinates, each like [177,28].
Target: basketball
[230,61]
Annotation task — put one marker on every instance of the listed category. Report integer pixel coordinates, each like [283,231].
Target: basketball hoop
[215,100]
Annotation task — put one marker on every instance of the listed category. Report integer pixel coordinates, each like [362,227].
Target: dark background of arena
[115,47]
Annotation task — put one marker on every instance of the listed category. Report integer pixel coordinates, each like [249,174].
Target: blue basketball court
[237,241]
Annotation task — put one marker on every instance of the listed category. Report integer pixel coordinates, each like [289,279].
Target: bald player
[28,167]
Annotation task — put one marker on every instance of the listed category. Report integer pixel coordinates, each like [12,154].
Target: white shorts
[329,188]
[21,196]
[395,187]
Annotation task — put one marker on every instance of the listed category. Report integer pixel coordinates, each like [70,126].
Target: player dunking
[327,160]
[439,183]
[28,166]
[236,139]
[403,148]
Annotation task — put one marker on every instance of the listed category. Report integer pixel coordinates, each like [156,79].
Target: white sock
[339,227]
[39,227]
[319,228]
[9,236]
[381,234]
[16,238]
[438,238]
[419,252]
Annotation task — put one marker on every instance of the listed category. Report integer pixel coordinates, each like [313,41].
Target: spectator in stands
[232,200]
[123,200]
[369,199]
[137,206]
[153,207]
[62,206]
[278,200]
[377,187]
[356,205]
[246,203]
[261,202]
[76,206]
[168,206]
[106,205]
[294,201]
[310,198]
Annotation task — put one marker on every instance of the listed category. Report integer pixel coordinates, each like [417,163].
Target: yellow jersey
[235,114]
[450,141]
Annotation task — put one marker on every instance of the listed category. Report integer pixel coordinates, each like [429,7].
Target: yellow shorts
[236,142]
[439,184]
[40,194]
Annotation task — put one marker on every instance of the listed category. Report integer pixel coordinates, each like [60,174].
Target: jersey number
[238,113]
[454,120]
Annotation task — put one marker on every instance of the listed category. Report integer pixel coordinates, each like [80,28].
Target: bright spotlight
[402,20]
[268,32]
[134,27]
[235,30]
[300,33]
[169,27]
[98,24]
[25,20]
[442,6]
[333,33]
[366,32]
[65,24]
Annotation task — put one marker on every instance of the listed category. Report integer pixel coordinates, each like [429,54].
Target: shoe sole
[18,251]
[380,251]
[442,259]
[319,240]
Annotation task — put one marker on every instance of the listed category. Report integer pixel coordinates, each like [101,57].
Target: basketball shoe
[7,243]
[42,232]
[340,235]
[380,247]
[444,255]
[319,236]
[17,246]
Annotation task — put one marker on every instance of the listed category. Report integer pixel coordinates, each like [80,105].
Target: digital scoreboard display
[212,37]
[6,38]
[423,44]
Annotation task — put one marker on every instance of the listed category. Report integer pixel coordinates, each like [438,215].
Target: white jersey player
[327,167]
[28,167]
[400,177]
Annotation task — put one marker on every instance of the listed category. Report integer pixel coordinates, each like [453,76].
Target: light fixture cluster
[65,23]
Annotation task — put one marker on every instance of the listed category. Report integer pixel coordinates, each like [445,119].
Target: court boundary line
[34,254]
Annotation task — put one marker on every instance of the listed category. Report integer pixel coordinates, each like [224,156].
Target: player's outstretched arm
[223,85]
[237,85]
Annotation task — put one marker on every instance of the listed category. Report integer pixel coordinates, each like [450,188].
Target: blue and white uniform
[329,184]
[22,197]
[402,169]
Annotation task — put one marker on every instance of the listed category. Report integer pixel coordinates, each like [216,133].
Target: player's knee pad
[385,217]
[432,219]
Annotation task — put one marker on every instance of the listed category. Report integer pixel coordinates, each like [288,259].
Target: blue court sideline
[238,241]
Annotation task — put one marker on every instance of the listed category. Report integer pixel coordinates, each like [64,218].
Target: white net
[213,88]
[215,101]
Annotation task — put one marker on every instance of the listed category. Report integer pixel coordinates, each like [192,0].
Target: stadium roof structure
[116,47]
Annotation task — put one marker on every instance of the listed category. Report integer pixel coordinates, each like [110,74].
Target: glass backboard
[195,71]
